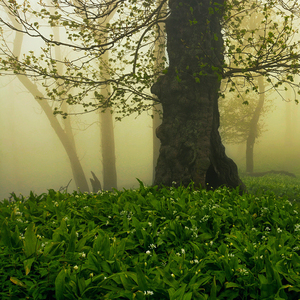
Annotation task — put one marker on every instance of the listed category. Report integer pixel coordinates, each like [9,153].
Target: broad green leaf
[168,279]
[187,296]
[232,285]
[5,235]
[213,290]
[142,282]
[205,236]
[81,285]
[18,282]
[80,244]
[27,264]
[30,241]
[93,263]
[105,267]
[15,238]
[72,242]
[177,295]
[52,248]
[60,285]
[127,282]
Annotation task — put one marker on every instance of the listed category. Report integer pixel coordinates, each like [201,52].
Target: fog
[32,157]
[277,148]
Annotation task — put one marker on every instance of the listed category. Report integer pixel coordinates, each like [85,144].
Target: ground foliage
[283,186]
[171,243]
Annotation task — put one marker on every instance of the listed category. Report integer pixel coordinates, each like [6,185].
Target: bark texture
[191,147]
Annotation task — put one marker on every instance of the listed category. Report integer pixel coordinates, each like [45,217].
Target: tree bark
[108,151]
[191,147]
[107,137]
[253,127]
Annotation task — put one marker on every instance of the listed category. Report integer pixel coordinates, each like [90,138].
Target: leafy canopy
[128,30]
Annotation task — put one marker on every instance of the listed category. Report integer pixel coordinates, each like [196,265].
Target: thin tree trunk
[77,170]
[253,127]
[108,151]
[191,147]
[63,136]
[107,136]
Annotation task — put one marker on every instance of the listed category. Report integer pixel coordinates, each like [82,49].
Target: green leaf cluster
[168,243]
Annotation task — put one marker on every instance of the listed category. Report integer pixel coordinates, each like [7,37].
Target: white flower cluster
[204,219]
[297,227]
[128,213]
[195,261]
[148,293]
[194,230]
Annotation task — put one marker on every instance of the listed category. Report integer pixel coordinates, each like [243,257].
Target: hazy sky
[32,157]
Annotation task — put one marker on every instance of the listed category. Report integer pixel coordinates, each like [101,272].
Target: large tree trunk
[160,52]
[191,147]
[253,127]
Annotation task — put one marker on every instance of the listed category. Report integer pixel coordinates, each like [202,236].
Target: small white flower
[196,261]
[279,230]
[150,224]
[83,255]
[267,229]
[152,246]
[172,275]
[76,267]
[148,252]
[211,242]
[148,293]
[182,251]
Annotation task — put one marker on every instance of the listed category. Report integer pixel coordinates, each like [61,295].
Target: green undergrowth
[149,243]
[280,185]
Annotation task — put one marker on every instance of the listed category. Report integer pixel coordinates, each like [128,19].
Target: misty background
[33,159]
